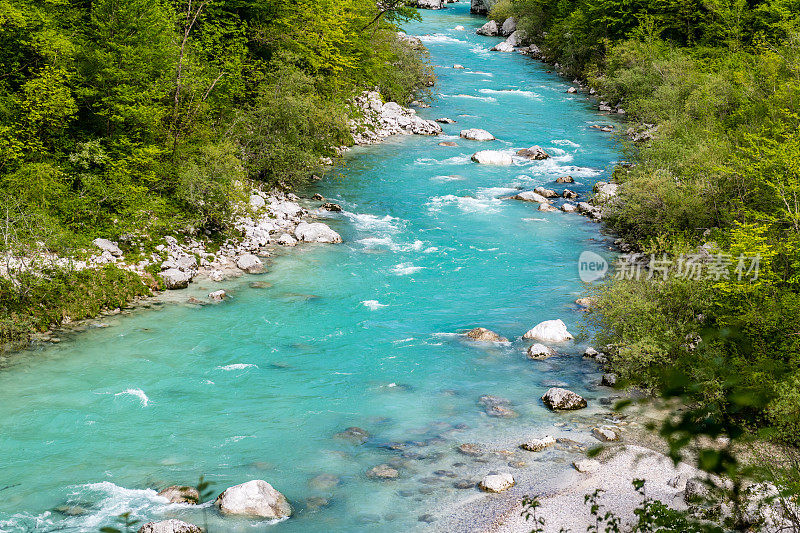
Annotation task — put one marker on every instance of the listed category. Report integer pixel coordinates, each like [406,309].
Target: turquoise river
[363,333]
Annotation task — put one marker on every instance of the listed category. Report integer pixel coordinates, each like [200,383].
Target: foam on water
[470,97]
[138,393]
[512,92]
[373,304]
[237,366]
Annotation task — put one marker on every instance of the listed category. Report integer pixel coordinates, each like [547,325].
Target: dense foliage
[143,117]
[720,79]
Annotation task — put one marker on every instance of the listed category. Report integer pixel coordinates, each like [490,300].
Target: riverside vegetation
[134,120]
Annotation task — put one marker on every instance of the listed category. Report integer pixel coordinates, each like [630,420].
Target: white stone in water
[569,208]
[316,232]
[505,46]
[540,351]
[489,29]
[476,134]
[605,434]
[586,466]
[557,398]
[537,445]
[217,296]
[497,482]
[169,526]
[493,157]
[254,498]
[549,331]
[530,196]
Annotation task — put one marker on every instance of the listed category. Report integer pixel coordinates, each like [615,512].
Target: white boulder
[493,157]
[496,482]
[557,398]
[586,466]
[254,498]
[250,264]
[217,296]
[515,39]
[476,134]
[176,279]
[509,26]
[316,232]
[257,201]
[530,196]
[169,526]
[489,29]
[540,351]
[549,331]
[537,445]
[502,47]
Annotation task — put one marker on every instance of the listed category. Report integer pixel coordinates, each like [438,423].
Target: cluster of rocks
[254,499]
[380,120]
[430,4]
[593,209]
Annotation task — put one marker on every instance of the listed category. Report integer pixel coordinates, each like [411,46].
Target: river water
[359,334]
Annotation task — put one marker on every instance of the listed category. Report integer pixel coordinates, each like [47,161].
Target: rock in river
[316,232]
[557,398]
[530,196]
[493,157]
[475,134]
[497,482]
[169,526]
[181,494]
[537,445]
[549,331]
[354,435]
[535,153]
[254,498]
[483,334]
[489,29]
[540,351]
[383,471]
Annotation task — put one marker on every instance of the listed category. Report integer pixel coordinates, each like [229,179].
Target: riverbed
[366,334]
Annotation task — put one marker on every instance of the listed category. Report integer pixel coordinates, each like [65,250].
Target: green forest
[716,83]
[143,118]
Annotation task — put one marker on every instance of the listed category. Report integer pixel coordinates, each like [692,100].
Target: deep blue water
[359,334]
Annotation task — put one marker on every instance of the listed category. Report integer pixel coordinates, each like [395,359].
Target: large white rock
[493,157]
[169,526]
[509,26]
[476,134]
[604,191]
[537,445]
[489,29]
[557,398]
[530,196]
[516,38]
[254,498]
[316,232]
[586,466]
[429,4]
[176,279]
[257,201]
[107,246]
[497,482]
[549,331]
[502,47]
[250,264]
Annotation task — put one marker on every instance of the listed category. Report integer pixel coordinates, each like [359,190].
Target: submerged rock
[557,398]
[354,435]
[254,498]
[382,471]
[549,331]
[483,334]
[324,482]
[473,450]
[497,482]
[497,407]
[170,526]
[181,494]
[450,144]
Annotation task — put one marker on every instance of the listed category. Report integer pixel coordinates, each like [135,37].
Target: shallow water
[359,334]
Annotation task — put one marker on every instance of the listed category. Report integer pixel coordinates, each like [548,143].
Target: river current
[359,334]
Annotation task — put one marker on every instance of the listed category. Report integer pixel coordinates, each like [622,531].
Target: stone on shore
[382,471]
[250,264]
[515,39]
[540,351]
[530,196]
[107,246]
[559,399]
[287,240]
[176,279]
[170,526]
[254,498]
[496,482]
[537,445]
[257,202]
[508,27]
[504,46]
[490,29]
[181,494]
[609,380]
[585,302]
[604,191]
[316,232]
[493,157]
[476,134]
[586,466]
[605,434]
[549,331]
[534,153]
[486,335]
